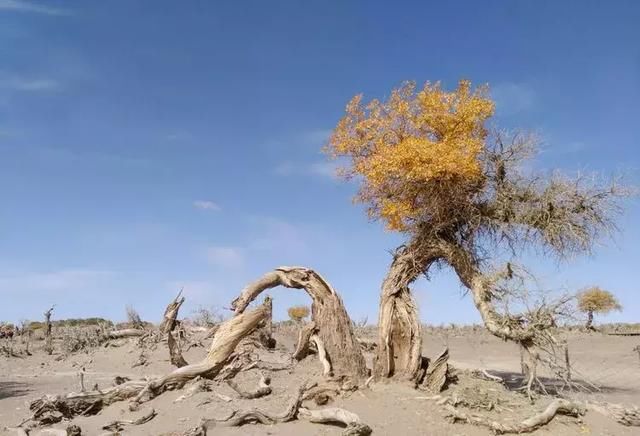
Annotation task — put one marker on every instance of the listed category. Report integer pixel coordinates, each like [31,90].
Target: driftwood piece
[333,324]
[119,425]
[125,333]
[50,409]
[304,335]
[354,426]
[262,390]
[437,374]
[558,406]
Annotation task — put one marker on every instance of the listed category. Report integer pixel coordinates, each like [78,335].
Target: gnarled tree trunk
[332,324]
[399,330]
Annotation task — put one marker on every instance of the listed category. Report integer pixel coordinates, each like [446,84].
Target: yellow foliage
[414,150]
[298,313]
[597,300]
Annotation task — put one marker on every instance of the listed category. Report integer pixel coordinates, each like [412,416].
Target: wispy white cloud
[18,83]
[54,281]
[206,205]
[225,257]
[512,98]
[26,6]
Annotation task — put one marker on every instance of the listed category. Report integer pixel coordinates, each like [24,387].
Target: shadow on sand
[514,381]
[13,389]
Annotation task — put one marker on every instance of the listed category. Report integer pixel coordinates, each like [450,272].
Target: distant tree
[596,300]
[429,167]
[298,313]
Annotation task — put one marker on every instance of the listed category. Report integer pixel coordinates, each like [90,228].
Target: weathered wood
[125,333]
[558,406]
[302,347]
[51,409]
[331,415]
[170,314]
[333,324]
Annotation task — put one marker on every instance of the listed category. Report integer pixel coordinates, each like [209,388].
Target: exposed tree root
[336,415]
[333,325]
[558,406]
[120,424]
[262,389]
[293,410]
[238,417]
[198,384]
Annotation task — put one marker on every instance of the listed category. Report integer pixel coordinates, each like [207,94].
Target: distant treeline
[71,322]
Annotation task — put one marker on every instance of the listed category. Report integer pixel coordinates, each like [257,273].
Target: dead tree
[48,344]
[50,409]
[332,323]
[170,314]
[168,325]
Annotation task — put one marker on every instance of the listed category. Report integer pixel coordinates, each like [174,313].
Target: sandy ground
[390,409]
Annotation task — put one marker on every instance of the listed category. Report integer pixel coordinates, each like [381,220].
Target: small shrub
[206,316]
[298,313]
[133,318]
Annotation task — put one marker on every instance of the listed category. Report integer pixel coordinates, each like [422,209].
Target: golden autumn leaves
[413,149]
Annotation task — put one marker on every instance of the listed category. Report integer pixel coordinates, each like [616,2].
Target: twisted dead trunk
[399,330]
[332,324]
[170,314]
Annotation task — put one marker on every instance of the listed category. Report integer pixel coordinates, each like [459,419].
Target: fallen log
[125,333]
[558,406]
[354,427]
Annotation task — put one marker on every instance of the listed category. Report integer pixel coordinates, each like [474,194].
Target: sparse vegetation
[596,300]
[206,316]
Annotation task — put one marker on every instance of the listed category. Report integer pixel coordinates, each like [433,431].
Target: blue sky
[149,145]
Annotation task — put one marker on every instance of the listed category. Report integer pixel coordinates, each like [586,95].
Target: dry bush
[75,339]
[133,317]
[206,316]
[298,313]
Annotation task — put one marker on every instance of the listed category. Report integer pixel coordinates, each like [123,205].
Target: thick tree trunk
[48,339]
[399,330]
[332,324]
[589,324]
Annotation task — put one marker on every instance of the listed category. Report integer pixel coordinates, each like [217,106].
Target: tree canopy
[597,300]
